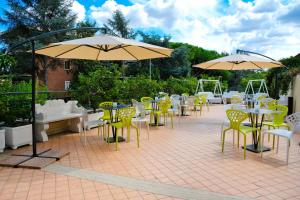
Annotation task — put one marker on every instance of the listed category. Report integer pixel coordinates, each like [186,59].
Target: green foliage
[179,85]
[119,25]
[15,101]
[27,18]
[95,86]
[135,88]
[6,63]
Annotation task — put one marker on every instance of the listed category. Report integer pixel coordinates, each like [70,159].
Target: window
[67,66]
[67,85]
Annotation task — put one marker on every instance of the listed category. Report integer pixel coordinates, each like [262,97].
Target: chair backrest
[105,106]
[164,105]
[126,115]
[147,101]
[235,99]
[293,121]
[175,97]
[203,97]
[139,108]
[233,107]
[268,103]
[278,117]
[191,100]
[236,117]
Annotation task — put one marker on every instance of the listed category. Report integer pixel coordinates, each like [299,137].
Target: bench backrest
[56,107]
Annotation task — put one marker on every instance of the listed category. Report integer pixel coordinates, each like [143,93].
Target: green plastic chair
[125,116]
[236,99]
[278,119]
[147,101]
[236,117]
[198,104]
[203,99]
[104,106]
[164,106]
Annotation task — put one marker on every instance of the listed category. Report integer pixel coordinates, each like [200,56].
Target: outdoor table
[155,108]
[113,120]
[183,106]
[254,122]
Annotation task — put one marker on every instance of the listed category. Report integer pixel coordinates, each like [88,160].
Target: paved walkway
[140,185]
[186,158]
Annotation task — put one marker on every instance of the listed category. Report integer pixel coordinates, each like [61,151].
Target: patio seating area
[184,162]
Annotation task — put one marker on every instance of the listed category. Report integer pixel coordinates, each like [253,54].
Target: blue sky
[271,27]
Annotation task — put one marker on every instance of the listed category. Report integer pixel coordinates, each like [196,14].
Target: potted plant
[15,113]
[2,140]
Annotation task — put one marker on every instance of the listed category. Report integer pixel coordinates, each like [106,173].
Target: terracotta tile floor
[188,155]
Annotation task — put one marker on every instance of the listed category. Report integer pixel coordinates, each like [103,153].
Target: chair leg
[262,144]
[117,139]
[273,146]
[172,121]
[287,151]
[148,127]
[84,137]
[233,137]
[238,140]
[277,144]
[269,134]
[128,134]
[245,145]
[138,137]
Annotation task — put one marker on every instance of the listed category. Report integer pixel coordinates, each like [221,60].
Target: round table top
[259,111]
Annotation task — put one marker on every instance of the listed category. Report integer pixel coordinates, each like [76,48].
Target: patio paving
[173,164]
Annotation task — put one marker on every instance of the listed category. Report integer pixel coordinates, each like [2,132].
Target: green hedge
[104,85]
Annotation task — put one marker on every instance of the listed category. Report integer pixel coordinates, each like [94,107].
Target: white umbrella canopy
[104,47]
[239,62]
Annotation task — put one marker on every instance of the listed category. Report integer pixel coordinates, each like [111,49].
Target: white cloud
[78,9]
[270,27]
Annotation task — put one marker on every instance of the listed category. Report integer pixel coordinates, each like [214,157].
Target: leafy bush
[15,101]
[95,87]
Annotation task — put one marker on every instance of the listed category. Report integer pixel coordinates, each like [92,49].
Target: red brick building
[58,78]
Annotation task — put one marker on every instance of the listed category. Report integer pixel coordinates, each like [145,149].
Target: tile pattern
[187,156]
[140,185]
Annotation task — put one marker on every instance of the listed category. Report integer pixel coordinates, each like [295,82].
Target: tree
[27,18]
[119,25]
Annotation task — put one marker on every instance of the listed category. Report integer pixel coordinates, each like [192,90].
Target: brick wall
[58,76]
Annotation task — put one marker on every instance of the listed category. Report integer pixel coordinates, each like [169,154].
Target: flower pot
[18,136]
[2,140]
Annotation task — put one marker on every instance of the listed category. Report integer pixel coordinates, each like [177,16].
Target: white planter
[18,136]
[2,140]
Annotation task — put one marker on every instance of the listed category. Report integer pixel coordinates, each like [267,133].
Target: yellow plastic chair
[236,99]
[236,117]
[164,106]
[278,119]
[204,100]
[198,104]
[147,101]
[105,108]
[125,115]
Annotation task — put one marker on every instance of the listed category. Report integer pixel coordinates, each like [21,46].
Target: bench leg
[40,132]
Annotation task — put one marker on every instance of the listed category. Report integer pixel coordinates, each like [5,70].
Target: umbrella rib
[47,47]
[67,51]
[212,65]
[130,53]
[256,65]
[154,51]
[98,53]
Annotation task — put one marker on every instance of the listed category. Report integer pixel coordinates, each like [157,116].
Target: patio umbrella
[104,47]
[239,62]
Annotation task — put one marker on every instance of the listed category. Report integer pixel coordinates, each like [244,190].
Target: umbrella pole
[33,78]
